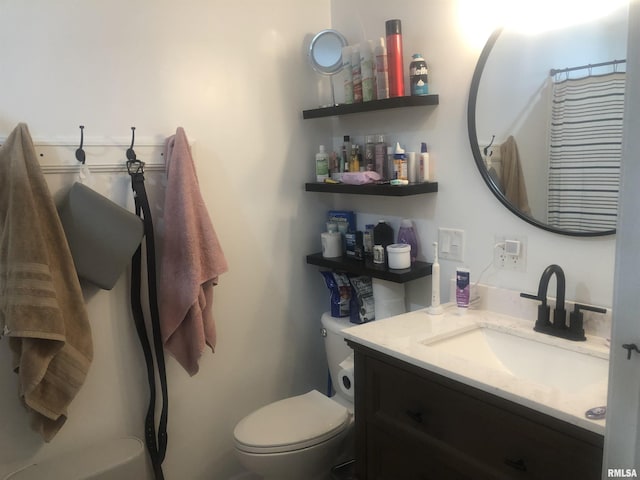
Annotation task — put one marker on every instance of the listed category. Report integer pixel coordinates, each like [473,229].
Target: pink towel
[191,260]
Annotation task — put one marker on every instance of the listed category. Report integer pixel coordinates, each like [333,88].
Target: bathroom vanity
[424,411]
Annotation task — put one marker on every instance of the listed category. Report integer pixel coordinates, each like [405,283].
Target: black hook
[80,155]
[131,154]
[486,149]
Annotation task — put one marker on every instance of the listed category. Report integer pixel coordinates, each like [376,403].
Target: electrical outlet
[510,253]
[451,244]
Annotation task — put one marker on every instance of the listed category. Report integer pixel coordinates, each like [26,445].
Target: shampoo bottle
[407,235]
[322,165]
[347,74]
[357,74]
[367,71]
[435,308]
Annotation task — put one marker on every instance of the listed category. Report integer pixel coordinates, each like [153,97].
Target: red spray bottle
[395,58]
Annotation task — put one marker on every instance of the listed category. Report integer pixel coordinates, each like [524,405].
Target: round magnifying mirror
[325,53]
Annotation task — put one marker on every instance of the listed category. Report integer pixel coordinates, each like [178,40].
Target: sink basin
[524,357]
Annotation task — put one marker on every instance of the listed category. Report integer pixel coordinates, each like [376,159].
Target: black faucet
[559,326]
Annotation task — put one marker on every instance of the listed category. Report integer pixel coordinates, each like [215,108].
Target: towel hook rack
[134,166]
[80,155]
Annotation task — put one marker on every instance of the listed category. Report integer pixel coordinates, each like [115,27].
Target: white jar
[399,255]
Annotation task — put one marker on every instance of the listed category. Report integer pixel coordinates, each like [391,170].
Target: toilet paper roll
[345,376]
[388,298]
[331,244]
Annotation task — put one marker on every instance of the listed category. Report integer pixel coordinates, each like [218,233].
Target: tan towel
[41,305]
[513,184]
[191,261]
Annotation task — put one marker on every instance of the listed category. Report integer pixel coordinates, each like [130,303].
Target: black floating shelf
[367,267]
[395,102]
[374,189]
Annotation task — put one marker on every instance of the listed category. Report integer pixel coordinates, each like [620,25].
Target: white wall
[234,75]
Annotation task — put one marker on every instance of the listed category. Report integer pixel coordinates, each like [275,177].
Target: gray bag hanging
[102,236]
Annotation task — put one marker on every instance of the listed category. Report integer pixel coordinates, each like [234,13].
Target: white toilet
[302,437]
[117,459]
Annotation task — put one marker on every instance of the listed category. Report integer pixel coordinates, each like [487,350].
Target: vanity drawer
[488,432]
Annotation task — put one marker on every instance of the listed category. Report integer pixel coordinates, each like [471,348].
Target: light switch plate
[451,244]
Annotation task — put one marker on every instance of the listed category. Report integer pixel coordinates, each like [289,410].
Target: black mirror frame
[477,155]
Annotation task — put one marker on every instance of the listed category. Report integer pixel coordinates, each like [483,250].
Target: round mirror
[325,52]
[545,118]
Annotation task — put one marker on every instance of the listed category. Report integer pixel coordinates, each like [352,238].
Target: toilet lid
[293,423]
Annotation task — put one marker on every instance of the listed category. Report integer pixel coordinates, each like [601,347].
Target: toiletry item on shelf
[399,255]
[367,239]
[407,234]
[356,73]
[332,227]
[382,71]
[370,153]
[347,74]
[354,162]
[334,167]
[423,167]
[345,219]
[435,308]
[391,171]
[395,57]
[412,167]
[399,163]
[331,244]
[345,154]
[380,156]
[354,244]
[367,71]
[418,76]
[463,287]
[382,237]
[322,165]
[378,254]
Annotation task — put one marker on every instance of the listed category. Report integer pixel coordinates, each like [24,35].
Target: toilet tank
[334,344]
[118,459]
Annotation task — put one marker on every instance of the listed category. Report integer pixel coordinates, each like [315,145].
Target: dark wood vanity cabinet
[413,424]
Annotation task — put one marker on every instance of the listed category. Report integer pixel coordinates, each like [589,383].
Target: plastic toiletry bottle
[322,165]
[394,57]
[407,234]
[380,156]
[347,74]
[435,308]
[369,153]
[463,288]
[383,236]
[382,70]
[345,154]
[399,163]
[357,74]
[367,71]
[368,239]
[412,167]
[354,163]
[424,164]
[391,171]
[418,76]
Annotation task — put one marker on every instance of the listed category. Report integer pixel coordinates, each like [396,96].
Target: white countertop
[404,337]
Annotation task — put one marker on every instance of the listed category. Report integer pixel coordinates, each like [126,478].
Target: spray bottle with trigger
[435,308]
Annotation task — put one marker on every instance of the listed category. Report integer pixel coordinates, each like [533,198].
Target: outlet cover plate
[502,260]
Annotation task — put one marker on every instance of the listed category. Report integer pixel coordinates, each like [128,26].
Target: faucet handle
[544,310]
[576,322]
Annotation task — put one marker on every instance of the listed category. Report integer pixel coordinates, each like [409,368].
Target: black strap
[157,447]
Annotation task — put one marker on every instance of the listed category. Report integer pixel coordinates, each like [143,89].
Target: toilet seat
[291,424]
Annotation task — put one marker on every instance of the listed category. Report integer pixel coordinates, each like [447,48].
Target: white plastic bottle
[424,175]
[322,165]
[382,70]
[367,71]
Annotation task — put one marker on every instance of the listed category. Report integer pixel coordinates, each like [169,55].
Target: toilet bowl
[301,437]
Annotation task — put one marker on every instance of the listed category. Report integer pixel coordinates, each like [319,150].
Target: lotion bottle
[322,165]
[424,164]
[435,308]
